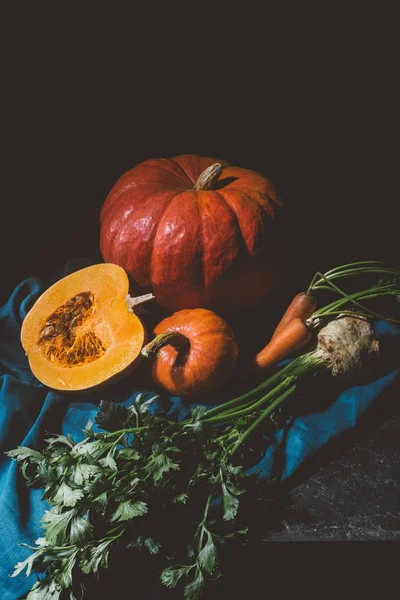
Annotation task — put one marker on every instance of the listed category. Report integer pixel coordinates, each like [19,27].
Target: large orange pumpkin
[195,231]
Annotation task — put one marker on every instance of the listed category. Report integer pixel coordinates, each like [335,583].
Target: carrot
[291,337]
[302,306]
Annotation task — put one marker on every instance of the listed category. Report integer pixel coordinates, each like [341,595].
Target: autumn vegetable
[194,352]
[175,488]
[82,332]
[293,336]
[293,331]
[196,232]
[301,307]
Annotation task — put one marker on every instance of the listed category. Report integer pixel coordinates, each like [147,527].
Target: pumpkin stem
[208,178]
[132,303]
[174,338]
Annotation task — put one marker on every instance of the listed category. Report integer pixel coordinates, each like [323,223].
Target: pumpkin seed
[65,344]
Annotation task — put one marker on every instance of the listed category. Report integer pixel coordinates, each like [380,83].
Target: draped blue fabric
[28,410]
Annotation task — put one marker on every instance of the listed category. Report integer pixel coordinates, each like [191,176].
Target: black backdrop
[308,100]
[87,93]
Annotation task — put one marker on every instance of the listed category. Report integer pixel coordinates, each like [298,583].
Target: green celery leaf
[136,543]
[30,479]
[41,541]
[144,407]
[80,530]
[60,439]
[197,412]
[231,504]
[195,426]
[93,449]
[128,510]
[128,454]
[77,475]
[152,546]
[102,500]
[64,577]
[28,564]
[234,534]
[87,472]
[233,489]
[96,557]
[171,576]
[235,470]
[208,555]
[210,454]
[46,589]
[22,452]
[113,417]
[194,589]
[88,431]
[66,496]
[45,474]
[56,525]
[181,498]
[159,464]
[109,461]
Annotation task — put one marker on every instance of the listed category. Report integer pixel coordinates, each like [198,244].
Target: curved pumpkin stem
[174,338]
[208,178]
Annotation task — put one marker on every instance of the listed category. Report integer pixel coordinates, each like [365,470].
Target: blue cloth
[28,410]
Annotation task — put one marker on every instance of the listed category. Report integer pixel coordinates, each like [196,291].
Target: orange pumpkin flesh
[80,333]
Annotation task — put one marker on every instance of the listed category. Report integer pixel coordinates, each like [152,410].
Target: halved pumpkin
[80,332]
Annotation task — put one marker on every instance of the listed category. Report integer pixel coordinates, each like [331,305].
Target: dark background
[308,99]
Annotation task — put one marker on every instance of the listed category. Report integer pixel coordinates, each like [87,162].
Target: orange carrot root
[291,337]
[302,306]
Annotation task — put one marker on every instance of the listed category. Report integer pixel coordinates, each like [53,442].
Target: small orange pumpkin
[195,352]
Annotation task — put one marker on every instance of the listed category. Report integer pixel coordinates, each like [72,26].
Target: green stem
[349,297]
[305,364]
[123,431]
[203,529]
[348,313]
[385,290]
[117,441]
[174,338]
[254,393]
[352,270]
[109,535]
[296,368]
[206,510]
[360,263]
[252,406]
[360,266]
[261,418]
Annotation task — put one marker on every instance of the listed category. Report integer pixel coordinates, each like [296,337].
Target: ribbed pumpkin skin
[208,363]
[214,249]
